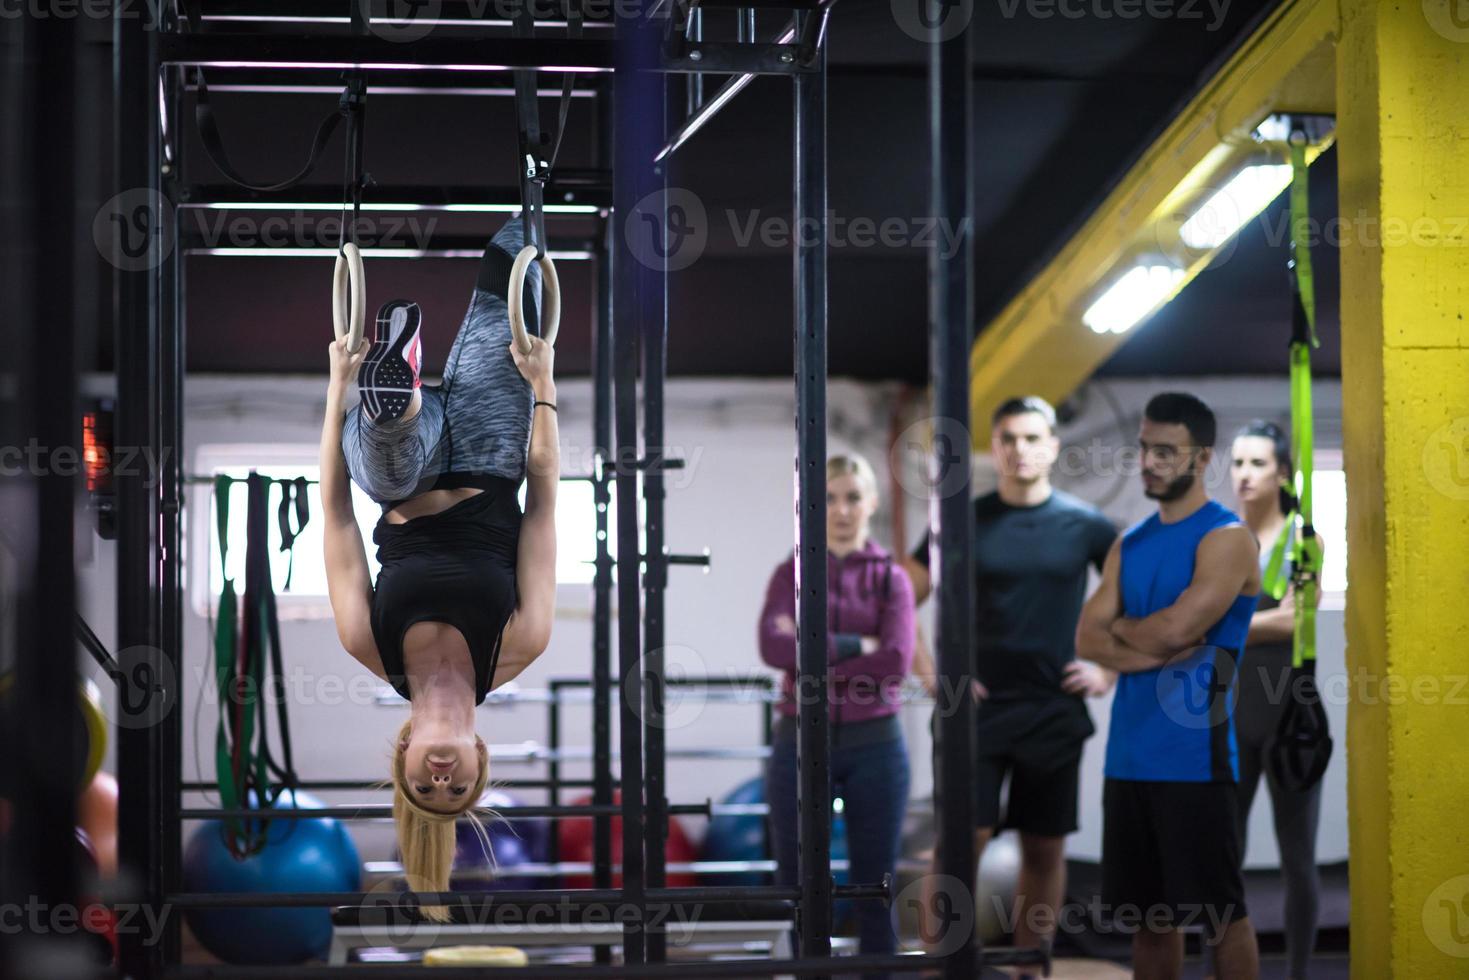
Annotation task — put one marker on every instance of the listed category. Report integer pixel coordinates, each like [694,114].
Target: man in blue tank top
[1171,616]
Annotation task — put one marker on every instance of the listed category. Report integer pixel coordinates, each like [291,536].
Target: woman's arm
[1278,625]
[889,655]
[529,630]
[348,583]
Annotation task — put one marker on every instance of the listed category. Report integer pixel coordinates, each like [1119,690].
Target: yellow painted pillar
[1403,151]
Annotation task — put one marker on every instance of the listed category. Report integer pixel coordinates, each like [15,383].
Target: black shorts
[1171,854]
[1037,744]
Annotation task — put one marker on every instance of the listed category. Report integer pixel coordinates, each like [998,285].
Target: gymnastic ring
[349,297]
[550,298]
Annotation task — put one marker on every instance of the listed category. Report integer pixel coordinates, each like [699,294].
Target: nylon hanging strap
[213,141]
[1306,556]
[225,645]
[293,497]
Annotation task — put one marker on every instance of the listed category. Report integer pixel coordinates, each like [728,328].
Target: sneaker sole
[385,382]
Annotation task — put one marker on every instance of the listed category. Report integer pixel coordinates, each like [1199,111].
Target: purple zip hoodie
[868,594]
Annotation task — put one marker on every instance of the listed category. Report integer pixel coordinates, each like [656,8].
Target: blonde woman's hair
[852,464]
[426,837]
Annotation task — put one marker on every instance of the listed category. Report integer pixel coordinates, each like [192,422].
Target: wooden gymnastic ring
[349,297]
[550,298]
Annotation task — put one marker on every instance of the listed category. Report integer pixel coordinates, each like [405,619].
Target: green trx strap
[1306,550]
[226,644]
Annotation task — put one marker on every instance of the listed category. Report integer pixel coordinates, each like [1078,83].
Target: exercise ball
[89,736]
[574,841]
[533,832]
[739,837]
[307,855]
[478,868]
[997,882]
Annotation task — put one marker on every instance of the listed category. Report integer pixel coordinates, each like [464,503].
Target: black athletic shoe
[389,375]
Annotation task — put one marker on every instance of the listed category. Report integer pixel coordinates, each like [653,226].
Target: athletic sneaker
[389,375]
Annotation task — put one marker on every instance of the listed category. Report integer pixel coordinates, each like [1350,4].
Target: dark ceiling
[1063,105]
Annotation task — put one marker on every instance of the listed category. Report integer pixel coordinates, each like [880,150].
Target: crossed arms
[1225,566]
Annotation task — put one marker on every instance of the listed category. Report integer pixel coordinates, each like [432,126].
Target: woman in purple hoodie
[869,650]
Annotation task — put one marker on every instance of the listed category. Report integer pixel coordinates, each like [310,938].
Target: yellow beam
[1038,344]
[1404,197]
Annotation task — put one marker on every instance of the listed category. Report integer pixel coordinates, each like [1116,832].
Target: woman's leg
[1296,818]
[874,786]
[389,460]
[487,404]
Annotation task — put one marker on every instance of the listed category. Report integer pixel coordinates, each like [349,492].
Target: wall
[734,497]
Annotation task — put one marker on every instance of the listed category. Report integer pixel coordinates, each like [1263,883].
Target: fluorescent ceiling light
[1131,298]
[1227,209]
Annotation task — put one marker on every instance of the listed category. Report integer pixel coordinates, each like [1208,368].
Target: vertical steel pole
[813,745]
[38,498]
[140,750]
[654,339]
[602,491]
[634,133]
[951,515]
[170,479]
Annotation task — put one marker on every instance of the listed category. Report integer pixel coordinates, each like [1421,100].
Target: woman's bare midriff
[428,503]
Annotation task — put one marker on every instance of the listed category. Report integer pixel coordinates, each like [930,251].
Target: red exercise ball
[574,841]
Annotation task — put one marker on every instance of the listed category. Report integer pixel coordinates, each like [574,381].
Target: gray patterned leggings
[478,420]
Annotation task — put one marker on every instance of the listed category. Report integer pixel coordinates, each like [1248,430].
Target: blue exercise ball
[739,837]
[306,855]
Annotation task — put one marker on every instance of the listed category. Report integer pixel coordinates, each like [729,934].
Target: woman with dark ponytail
[1261,471]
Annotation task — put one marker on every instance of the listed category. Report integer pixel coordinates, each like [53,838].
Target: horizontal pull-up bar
[338,53]
[385,901]
[384,811]
[682,970]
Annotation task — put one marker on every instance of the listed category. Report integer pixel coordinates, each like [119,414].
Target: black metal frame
[631,326]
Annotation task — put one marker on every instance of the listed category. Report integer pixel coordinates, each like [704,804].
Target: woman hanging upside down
[466,592]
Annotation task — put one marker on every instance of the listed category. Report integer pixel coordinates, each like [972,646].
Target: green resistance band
[1306,553]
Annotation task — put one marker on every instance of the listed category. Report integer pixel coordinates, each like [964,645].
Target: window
[576,529]
[1329,511]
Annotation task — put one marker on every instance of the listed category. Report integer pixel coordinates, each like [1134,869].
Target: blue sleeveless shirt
[1175,723]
